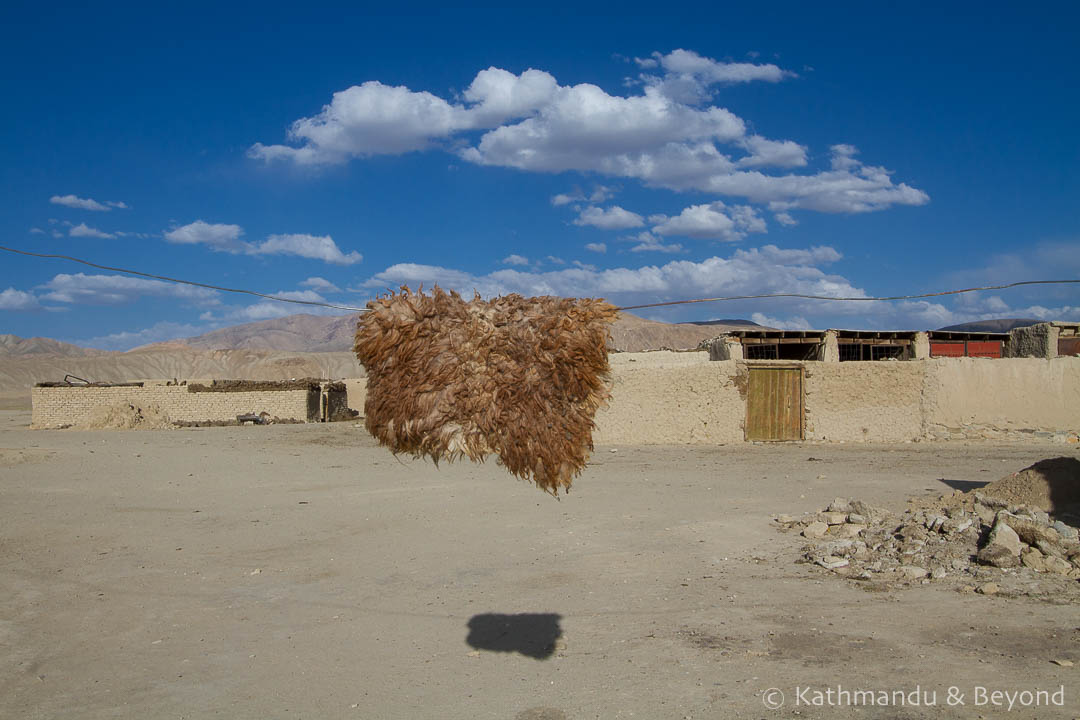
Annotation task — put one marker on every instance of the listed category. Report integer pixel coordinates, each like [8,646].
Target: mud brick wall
[64,406]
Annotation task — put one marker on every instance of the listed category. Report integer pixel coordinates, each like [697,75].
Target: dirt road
[299,571]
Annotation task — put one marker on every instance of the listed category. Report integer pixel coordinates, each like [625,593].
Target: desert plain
[301,571]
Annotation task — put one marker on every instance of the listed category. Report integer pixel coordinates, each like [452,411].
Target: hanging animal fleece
[518,377]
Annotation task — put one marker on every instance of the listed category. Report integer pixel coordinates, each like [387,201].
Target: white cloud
[79,203]
[714,221]
[596,247]
[368,119]
[745,272]
[555,260]
[120,289]
[36,231]
[775,153]
[756,271]
[226,238]
[12,299]
[793,323]
[612,218]
[219,236]
[667,135]
[267,309]
[599,194]
[586,129]
[126,340]
[82,230]
[320,284]
[850,187]
[515,260]
[647,242]
[315,247]
[688,77]
[499,95]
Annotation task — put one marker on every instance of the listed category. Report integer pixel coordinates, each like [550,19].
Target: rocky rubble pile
[975,540]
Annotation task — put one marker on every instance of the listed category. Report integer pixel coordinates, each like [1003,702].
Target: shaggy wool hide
[518,377]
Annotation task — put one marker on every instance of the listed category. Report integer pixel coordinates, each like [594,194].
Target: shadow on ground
[964,485]
[531,634]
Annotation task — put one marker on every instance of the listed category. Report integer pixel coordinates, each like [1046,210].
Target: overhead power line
[182,282]
[625,307]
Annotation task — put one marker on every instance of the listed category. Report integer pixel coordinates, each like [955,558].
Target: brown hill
[15,346]
[298,333]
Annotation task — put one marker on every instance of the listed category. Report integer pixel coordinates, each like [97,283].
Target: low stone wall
[683,398]
[982,398]
[672,398]
[65,406]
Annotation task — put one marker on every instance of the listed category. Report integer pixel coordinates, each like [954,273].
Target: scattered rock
[1068,533]
[1029,530]
[913,572]
[840,505]
[940,539]
[1063,663]
[1057,565]
[831,562]
[833,518]
[847,530]
[997,556]
[1033,559]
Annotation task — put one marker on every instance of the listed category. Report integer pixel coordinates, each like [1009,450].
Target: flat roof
[899,336]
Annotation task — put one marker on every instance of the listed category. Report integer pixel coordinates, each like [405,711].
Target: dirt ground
[299,571]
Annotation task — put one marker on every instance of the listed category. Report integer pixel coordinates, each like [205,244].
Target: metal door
[774,403]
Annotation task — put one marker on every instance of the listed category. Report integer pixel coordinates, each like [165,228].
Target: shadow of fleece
[531,634]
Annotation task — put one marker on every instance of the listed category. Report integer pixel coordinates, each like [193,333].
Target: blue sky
[331,152]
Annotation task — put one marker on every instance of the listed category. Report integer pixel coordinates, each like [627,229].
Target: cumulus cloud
[792,323]
[12,299]
[596,247]
[647,242]
[612,218]
[668,133]
[688,77]
[320,284]
[226,238]
[78,203]
[120,289]
[515,260]
[713,221]
[599,194]
[218,236]
[316,247]
[756,271]
[745,272]
[776,153]
[267,309]
[83,230]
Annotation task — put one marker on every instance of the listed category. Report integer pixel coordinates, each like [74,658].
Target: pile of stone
[973,539]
